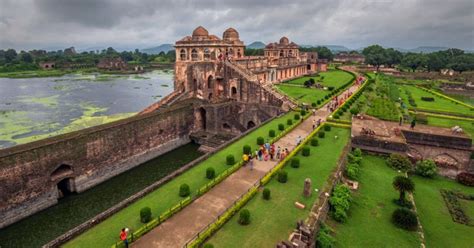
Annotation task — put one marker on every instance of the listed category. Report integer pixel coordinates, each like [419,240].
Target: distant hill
[427,49]
[256,45]
[158,49]
[333,48]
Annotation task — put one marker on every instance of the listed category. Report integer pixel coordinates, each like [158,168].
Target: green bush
[145,214]
[318,102]
[327,128]
[281,127]
[352,159]
[321,134]
[306,151]
[295,162]
[282,176]
[352,171]
[260,141]
[184,190]
[230,160]
[247,149]
[303,112]
[399,162]
[339,215]
[405,218]
[357,152]
[210,173]
[426,168]
[314,142]
[289,122]
[314,104]
[324,239]
[297,117]
[427,99]
[330,88]
[340,202]
[354,110]
[271,133]
[244,217]
[266,194]
[336,116]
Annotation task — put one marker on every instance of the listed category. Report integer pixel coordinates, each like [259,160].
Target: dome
[230,34]
[284,40]
[200,32]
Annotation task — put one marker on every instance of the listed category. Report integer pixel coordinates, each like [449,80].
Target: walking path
[184,225]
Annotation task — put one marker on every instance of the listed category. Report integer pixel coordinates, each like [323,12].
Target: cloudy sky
[27,24]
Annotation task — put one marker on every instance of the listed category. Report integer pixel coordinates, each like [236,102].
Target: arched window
[239,54]
[182,54]
[194,55]
[290,53]
[281,53]
[233,91]
[207,54]
[209,82]
[231,51]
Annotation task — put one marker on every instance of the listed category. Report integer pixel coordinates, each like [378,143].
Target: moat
[36,108]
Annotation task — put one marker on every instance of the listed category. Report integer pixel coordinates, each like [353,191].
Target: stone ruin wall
[94,154]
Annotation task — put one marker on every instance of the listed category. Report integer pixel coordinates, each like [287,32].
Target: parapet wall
[456,142]
[29,173]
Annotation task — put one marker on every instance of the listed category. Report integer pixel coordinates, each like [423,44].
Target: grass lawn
[462,98]
[334,78]
[439,104]
[273,220]
[106,233]
[467,126]
[303,94]
[369,219]
[439,228]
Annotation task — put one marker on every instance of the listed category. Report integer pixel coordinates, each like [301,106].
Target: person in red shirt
[123,237]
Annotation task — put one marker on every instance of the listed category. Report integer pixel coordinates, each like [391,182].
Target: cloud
[27,24]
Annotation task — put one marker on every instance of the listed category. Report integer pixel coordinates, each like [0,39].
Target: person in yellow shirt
[245,157]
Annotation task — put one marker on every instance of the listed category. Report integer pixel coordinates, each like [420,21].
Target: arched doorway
[209,82]
[202,115]
[233,91]
[308,67]
[250,124]
[63,176]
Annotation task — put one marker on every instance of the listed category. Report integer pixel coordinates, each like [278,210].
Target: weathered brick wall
[94,154]
[437,140]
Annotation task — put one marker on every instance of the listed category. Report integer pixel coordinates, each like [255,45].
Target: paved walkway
[183,226]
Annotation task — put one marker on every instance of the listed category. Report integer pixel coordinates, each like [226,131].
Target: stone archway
[63,176]
[202,115]
[250,124]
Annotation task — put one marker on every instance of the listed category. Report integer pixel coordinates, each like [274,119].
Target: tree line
[11,60]
[452,58]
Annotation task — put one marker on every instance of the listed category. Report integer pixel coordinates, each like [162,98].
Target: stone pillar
[307,187]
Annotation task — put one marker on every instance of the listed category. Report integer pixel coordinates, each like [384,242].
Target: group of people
[265,152]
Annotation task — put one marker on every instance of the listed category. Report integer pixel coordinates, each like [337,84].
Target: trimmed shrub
[327,128]
[303,112]
[210,173]
[354,110]
[282,176]
[281,127]
[321,134]
[352,171]
[306,151]
[289,122]
[266,194]
[230,160]
[295,162]
[260,141]
[314,142]
[405,218]
[271,133]
[336,115]
[427,99]
[357,152]
[318,102]
[314,104]
[353,159]
[244,217]
[339,215]
[297,117]
[426,168]
[466,178]
[399,162]
[184,190]
[145,214]
[247,149]
[326,97]
[330,88]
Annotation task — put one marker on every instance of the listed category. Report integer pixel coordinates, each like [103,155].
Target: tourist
[256,154]
[278,152]
[314,123]
[267,146]
[400,122]
[245,158]
[319,122]
[413,123]
[123,236]
[260,154]
[282,155]
[272,152]
[314,112]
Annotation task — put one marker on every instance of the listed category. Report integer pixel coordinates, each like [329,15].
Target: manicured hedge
[289,122]
[405,218]
[306,151]
[314,142]
[271,133]
[184,190]
[145,215]
[210,173]
[230,159]
[266,194]
[295,162]
[321,134]
[281,127]
[260,141]
[282,176]
[247,149]
[244,217]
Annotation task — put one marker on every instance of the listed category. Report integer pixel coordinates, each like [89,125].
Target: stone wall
[414,137]
[29,173]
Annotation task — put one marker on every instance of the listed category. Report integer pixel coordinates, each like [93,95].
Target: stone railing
[166,100]
[248,75]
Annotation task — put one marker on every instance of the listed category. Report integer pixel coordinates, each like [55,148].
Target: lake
[37,108]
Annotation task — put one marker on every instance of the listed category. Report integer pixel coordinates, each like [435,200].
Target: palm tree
[403,184]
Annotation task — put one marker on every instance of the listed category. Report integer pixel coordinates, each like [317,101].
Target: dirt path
[184,225]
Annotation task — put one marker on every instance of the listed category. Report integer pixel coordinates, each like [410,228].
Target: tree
[463,63]
[375,55]
[110,51]
[10,55]
[324,53]
[393,57]
[403,184]
[435,61]
[413,61]
[26,57]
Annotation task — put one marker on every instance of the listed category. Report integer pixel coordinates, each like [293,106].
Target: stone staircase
[267,86]
[210,141]
[166,101]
